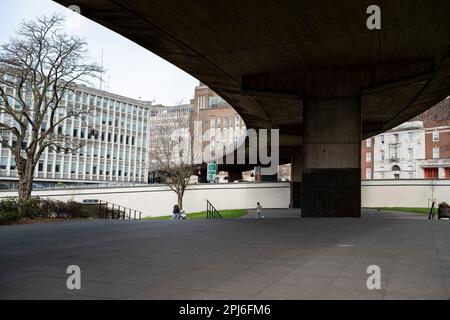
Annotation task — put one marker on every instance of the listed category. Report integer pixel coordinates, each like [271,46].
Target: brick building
[367,165]
[221,124]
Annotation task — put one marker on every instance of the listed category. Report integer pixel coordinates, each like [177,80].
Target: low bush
[9,217]
[11,210]
[31,208]
[75,209]
[9,205]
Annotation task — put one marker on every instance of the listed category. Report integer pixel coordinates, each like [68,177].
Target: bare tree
[171,155]
[37,69]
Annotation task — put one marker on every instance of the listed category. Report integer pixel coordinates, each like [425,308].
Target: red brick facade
[366,155]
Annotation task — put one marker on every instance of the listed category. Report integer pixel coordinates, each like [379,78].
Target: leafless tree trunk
[171,151]
[37,69]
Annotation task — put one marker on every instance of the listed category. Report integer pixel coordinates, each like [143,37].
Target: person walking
[259,214]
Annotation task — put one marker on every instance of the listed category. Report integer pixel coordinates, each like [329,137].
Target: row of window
[433,173]
[225,122]
[394,154]
[428,173]
[213,102]
[85,168]
[106,103]
[435,137]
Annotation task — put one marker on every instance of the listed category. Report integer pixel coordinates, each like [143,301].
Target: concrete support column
[296,181]
[331,184]
[270,178]
[234,175]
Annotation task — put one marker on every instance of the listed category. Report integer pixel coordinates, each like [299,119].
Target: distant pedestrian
[259,214]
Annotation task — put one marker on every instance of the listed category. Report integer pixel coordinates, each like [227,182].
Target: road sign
[212,172]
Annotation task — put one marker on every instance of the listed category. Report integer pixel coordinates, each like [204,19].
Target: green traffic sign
[212,171]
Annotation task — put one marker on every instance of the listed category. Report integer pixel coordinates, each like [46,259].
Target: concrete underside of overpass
[311,69]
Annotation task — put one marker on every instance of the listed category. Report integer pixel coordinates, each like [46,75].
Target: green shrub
[8,217]
[48,208]
[31,208]
[9,205]
[11,210]
[74,210]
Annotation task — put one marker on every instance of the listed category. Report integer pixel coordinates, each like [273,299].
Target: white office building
[114,136]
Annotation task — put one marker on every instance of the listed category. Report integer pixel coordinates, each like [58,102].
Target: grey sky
[133,71]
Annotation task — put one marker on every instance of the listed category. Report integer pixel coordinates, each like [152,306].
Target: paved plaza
[275,258]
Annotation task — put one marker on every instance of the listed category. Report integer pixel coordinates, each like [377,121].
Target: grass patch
[403,209]
[226,214]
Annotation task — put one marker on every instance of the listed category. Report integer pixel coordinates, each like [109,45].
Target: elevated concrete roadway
[311,69]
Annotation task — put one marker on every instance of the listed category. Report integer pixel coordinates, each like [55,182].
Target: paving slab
[281,257]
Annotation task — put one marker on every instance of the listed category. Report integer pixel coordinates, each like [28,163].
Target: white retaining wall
[159,200]
[404,193]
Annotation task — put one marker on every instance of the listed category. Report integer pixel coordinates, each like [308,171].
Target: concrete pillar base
[234,176]
[296,195]
[332,193]
[271,178]
[331,183]
[296,178]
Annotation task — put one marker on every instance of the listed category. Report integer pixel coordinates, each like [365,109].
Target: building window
[410,136]
[368,156]
[382,139]
[382,155]
[368,173]
[430,173]
[369,143]
[410,154]
[393,152]
[396,170]
[49,166]
[436,153]
[201,102]
[447,173]
[215,102]
[435,136]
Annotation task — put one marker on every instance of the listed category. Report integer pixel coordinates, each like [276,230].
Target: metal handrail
[211,212]
[117,212]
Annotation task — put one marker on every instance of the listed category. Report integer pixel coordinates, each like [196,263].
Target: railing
[431,215]
[107,210]
[211,212]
